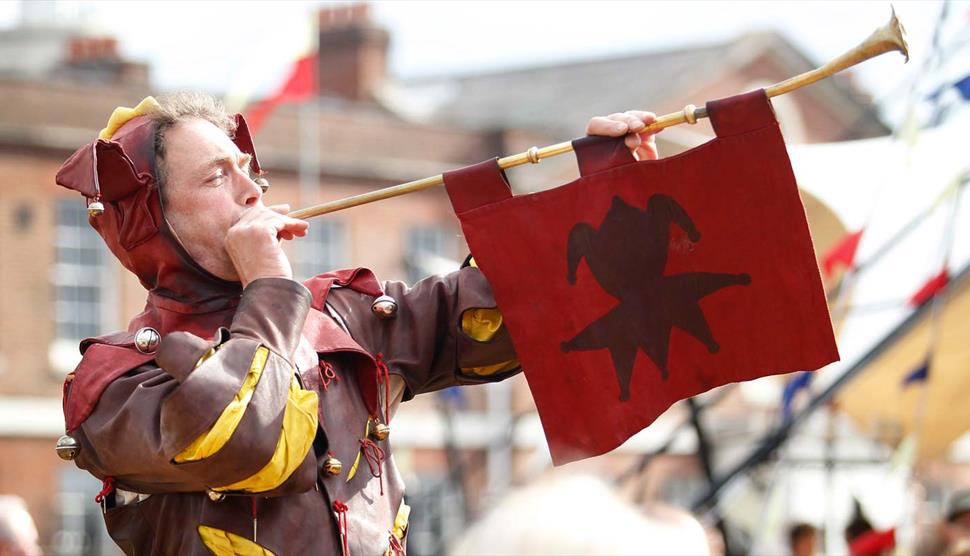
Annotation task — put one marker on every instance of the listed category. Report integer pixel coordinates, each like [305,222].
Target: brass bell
[379,431]
[67,448]
[384,307]
[147,340]
[263,184]
[95,209]
[215,496]
[332,466]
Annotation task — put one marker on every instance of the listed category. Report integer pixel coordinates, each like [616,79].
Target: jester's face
[207,187]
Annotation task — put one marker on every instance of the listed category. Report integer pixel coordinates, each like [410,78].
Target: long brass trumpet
[888,38]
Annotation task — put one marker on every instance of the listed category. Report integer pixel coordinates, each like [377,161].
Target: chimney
[97,59]
[92,49]
[352,53]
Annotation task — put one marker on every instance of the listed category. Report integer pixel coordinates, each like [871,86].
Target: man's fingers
[620,123]
[647,149]
[293,226]
[274,218]
[632,122]
[646,117]
[601,125]
[632,141]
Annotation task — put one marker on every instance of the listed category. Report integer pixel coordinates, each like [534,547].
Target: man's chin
[220,270]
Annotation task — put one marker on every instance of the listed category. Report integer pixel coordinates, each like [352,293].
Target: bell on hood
[95,209]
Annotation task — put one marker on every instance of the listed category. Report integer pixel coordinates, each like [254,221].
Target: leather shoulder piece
[358,279]
[105,359]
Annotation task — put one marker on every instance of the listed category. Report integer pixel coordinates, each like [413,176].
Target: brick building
[58,284]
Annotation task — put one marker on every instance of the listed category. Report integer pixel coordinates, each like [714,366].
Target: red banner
[644,283]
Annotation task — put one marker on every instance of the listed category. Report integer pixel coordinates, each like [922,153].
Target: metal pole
[704,454]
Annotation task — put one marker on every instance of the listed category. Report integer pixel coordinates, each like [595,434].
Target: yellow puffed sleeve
[224,543]
[482,325]
[215,438]
[295,441]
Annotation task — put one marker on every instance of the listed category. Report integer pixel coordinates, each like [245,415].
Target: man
[951,535]
[243,412]
[803,539]
[18,534]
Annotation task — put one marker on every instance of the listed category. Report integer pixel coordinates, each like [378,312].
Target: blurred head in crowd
[955,531]
[803,539]
[573,514]
[18,535]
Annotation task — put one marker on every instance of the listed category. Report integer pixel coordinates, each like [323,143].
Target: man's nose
[251,193]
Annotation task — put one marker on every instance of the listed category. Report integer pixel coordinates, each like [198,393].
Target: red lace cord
[254,518]
[375,457]
[327,374]
[396,547]
[341,510]
[383,378]
[107,485]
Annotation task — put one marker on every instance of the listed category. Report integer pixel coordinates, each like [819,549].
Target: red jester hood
[118,170]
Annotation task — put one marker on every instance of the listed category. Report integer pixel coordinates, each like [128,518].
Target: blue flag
[919,375]
[800,382]
[454,396]
[962,86]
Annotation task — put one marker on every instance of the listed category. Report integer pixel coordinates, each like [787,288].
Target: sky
[232,46]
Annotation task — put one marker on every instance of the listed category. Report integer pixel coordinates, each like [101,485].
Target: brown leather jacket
[134,413]
[217,439]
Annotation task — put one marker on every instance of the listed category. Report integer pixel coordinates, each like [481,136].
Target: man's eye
[216,178]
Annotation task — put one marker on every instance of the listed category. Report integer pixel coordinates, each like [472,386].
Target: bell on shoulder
[332,466]
[67,448]
[384,307]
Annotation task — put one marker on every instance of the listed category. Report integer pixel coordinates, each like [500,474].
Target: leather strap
[596,153]
[477,185]
[741,113]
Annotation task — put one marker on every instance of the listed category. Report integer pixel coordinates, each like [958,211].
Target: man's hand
[629,123]
[254,242]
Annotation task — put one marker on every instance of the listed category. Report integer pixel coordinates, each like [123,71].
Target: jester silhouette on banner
[644,283]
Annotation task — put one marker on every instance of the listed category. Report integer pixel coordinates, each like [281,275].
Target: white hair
[579,514]
[18,535]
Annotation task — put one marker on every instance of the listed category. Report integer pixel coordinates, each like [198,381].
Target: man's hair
[186,105]
[800,530]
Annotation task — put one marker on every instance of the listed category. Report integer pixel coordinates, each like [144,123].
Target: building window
[79,268]
[82,283]
[81,529]
[323,249]
[428,251]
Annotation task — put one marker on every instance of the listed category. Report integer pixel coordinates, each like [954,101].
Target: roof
[559,97]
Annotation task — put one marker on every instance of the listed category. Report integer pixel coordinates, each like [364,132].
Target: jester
[243,412]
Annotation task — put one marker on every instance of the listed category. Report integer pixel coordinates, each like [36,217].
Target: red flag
[873,543]
[930,288]
[643,283]
[300,84]
[842,253]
